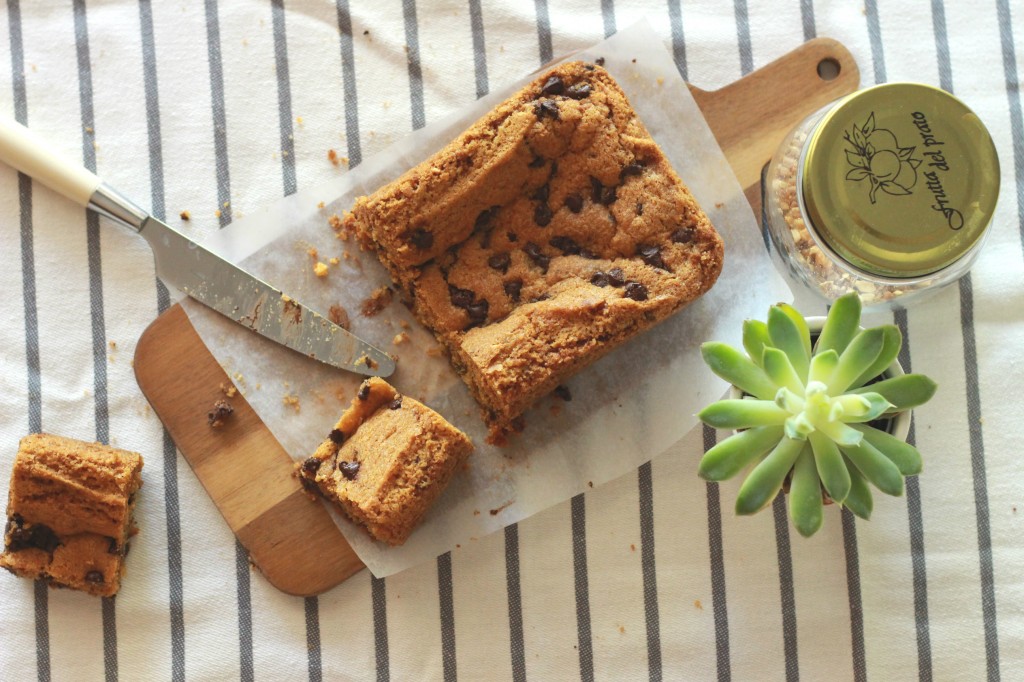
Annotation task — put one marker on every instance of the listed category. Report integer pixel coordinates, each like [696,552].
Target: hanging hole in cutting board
[828,69]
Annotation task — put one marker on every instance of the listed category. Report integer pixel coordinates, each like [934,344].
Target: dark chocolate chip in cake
[421,239]
[512,236]
[588,254]
[563,393]
[639,208]
[349,469]
[461,298]
[574,202]
[588,67]
[541,193]
[514,288]
[396,403]
[364,391]
[652,256]
[566,245]
[535,254]
[599,61]
[542,215]
[500,261]
[630,169]
[599,279]
[684,235]
[537,162]
[608,196]
[546,108]
[485,220]
[337,436]
[578,91]
[596,188]
[36,536]
[616,277]
[113,547]
[311,465]
[553,86]
[94,577]
[636,291]
[478,312]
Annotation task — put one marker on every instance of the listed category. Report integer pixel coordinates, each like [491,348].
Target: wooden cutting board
[290,537]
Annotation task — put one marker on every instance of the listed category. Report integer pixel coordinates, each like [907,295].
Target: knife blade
[183,264]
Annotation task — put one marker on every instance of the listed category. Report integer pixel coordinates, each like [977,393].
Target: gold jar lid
[900,180]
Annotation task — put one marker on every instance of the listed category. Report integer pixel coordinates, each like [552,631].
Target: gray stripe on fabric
[974,412]
[582,585]
[220,126]
[649,569]
[787,594]
[447,609]
[41,597]
[246,670]
[915,519]
[807,19]
[543,31]
[1013,96]
[875,38]
[97,315]
[284,97]
[860,669]
[608,16]
[515,603]
[743,36]
[675,20]
[163,302]
[412,41]
[378,592]
[348,77]
[314,663]
[717,556]
[476,24]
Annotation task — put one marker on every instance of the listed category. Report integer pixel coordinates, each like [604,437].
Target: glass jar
[888,191]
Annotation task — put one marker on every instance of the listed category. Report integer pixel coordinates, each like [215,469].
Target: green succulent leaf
[801,325]
[779,368]
[876,467]
[755,338]
[765,481]
[843,435]
[738,369]
[859,500]
[831,467]
[742,414]
[822,366]
[805,506]
[858,356]
[904,392]
[841,325]
[904,455]
[861,407]
[891,344]
[729,457]
[787,337]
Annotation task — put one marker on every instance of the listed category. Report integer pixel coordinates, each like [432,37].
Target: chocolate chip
[616,277]
[396,403]
[485,220]
[684,235]
[542,215]
[588,67]
[337,436]
[364,391]
[553,86]
[588,254]
[94,577]
[630,169]
[514,288]
[563,393]
[349,469]
[500,261]
[596,189]
[478,312]
[574,202]
[512,236]
[113,547]
[599,61]
[554,169]
[546,108]
[608,196]
[578,91]
[461,298]
[36,536]
[221,411]
[652,256]
[311,465]
[636,291]
[566,245]
[535,254]
[600,279]
[537,162]
[541,194]
[421,239]
[639,208]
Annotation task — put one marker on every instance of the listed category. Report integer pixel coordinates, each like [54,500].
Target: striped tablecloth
[219,108]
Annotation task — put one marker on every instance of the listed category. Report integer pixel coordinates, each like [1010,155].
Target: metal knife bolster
[108,202]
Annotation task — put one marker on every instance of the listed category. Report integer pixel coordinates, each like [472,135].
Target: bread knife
[197,271]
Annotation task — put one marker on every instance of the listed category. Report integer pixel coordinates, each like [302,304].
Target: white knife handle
[30,154]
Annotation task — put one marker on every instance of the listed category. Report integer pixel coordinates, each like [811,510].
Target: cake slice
[69,513]
[386,461]
[550,232]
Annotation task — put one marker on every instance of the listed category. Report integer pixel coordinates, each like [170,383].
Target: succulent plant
[804,418]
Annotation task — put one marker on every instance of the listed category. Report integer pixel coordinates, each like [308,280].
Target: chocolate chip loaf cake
[386,461]
[69,514]
[549,233]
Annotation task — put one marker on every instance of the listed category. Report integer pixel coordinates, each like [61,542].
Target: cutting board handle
[751,116]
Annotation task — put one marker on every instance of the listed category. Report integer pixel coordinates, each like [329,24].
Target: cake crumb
[660,80]
[334,260]
[113,345]
[403,324]
[622,628]
[320,269]
[339,316]
[298,119]
[291,401]
[378,301]
[476,512]
[434,352]
[312,252]
[332,156]
[632,547]
[495,512]
[320,205]
[185,215]
[228,389]
[217,213]
[221,411]
[400,338]
[697,604]
[368,361]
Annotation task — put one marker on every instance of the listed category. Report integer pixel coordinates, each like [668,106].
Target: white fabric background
[650,575]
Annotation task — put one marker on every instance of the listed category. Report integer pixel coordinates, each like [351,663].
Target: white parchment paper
[626,409]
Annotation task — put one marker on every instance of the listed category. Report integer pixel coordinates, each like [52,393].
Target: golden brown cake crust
[550,232]
[69,513]
[386,461]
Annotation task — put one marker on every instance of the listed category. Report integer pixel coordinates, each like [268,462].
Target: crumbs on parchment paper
[378,301]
